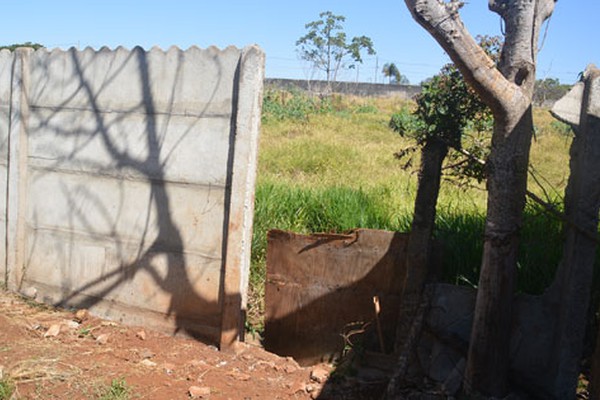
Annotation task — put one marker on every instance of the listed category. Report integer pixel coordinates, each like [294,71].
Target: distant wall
[351,88]
[129,182]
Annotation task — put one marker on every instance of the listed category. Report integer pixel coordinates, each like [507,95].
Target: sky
[570,42]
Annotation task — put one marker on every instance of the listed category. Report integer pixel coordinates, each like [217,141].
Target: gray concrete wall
[352,88]
[131,182]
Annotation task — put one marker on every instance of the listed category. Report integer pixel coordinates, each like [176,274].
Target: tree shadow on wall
[160,252]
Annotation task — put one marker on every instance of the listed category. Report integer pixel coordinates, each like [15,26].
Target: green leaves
[448,110]
[13,47]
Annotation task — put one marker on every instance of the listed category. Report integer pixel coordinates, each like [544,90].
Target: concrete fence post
[17,168]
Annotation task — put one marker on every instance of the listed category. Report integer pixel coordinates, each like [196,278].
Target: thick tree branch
[442,21]
[523,21]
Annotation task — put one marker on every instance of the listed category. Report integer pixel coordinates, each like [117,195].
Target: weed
[117,390]
[366,109]
[280,105]
[561,128]
[37,304]
[7,388]
[85,331]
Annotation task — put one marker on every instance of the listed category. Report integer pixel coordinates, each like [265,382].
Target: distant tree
[548,89]
[13,47]
[327,48]
[392,72]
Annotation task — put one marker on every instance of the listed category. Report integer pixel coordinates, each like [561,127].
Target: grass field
[329,166]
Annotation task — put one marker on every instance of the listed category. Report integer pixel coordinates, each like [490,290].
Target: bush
[280,105]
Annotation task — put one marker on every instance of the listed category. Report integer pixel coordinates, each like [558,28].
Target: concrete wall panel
[131,182]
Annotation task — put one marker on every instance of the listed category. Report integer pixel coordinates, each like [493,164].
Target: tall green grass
[331,168]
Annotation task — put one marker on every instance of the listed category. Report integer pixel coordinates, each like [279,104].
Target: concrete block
[568,108]
[594,100]
[163,282]
[195,81]
[137,146]
[102,208]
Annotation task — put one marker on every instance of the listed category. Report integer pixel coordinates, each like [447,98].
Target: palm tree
[392,72]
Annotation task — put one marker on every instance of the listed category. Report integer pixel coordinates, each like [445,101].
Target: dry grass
[42,369]
[337,158]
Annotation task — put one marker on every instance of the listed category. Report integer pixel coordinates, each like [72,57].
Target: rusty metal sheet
[319,286]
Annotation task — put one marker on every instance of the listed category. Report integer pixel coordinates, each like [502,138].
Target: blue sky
[573,38]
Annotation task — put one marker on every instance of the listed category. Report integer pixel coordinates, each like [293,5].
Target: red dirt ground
[56,354]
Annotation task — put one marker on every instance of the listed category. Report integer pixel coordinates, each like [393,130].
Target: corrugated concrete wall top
[131,181]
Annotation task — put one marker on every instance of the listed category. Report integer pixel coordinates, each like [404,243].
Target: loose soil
[49,353]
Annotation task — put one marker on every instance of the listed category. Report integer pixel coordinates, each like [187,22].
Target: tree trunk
[488,357]
[508,91]
[418,253]
[419,242]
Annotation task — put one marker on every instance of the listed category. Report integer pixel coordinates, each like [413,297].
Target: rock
[145,353]
[147,363]
[291,365]
[53,331]
[199,392]
[239,348]
[240,376]
[30,292]
[290,369]
[319,374]
[298,387]
[455,378]
[81,315]
[451,313]
[198,363]
[314,391]
[102,339]
[71,324]
[168,368]
[141,335]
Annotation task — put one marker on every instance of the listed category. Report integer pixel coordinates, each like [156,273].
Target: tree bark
[488,356]
[508,91]
[417,258]
[419,243]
